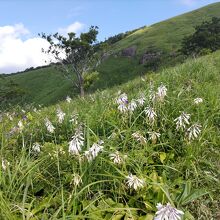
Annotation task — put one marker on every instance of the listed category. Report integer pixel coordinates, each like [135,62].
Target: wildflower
[167,212]
[74,118]
[77,180]
[198,101]
[134,182]
[123,98]
[93,152]
[60,115]
[150,113]
[10,117]
[77,142]
[194,131]
[122,108]
[153,136]
[5,164]
[36,147]
[161,93]
[141,101]
[152,95]
[68,99]
[182,120]
[49,126]
[132,106]
[117,158]
[139,137]
[20,125]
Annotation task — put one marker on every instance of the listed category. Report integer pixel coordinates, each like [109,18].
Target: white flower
[49,126]
[153,136]
[36,147]
[74,118]
[68,99]
[117,158]
[152,95]
[77,180]
[198,101]
[141,100]
[93,152]
[161,93]
[194,131]
[182,120]
[132,106]
[167,212]
[10,117]
[5,164]
[77,142]
[60,115]
[139,137]
[151,114]
[123,98]
[134,182]
[123,107]
[20,125]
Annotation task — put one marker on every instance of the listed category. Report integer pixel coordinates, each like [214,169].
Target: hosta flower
[153,136]
[139,137]
[151,114]
[77,180]
[134,182]
[5,164]
[152,95]
[68,99]
[194,131]
[74,118]
[20,125]
[49,126]
[141,101]
[77,142]
[198,101]
[182,121]
[167,212]
[93,151]
[161,93]
[117,158]
[123,98]
[60,115]
[132,106]
[10,117]
[36,147]
[122,108]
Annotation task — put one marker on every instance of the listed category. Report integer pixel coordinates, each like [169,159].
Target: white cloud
[75,27]
[17,54]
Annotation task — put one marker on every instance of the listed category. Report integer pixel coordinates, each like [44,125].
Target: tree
[77,55]
[205,38]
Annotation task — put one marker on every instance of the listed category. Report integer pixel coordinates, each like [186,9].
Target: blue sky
[22,20]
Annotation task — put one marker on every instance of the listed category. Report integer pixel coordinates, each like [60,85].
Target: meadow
[133,151]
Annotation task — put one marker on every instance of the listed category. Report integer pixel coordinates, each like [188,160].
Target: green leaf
[146,217]
[188,216]
[163,156]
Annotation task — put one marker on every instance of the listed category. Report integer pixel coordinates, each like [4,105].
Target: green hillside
[47,86]
[167,35]
[43,176]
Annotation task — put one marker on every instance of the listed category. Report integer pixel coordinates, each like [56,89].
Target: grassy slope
[47,193]
[167,35]
[41,86]
[46,86]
